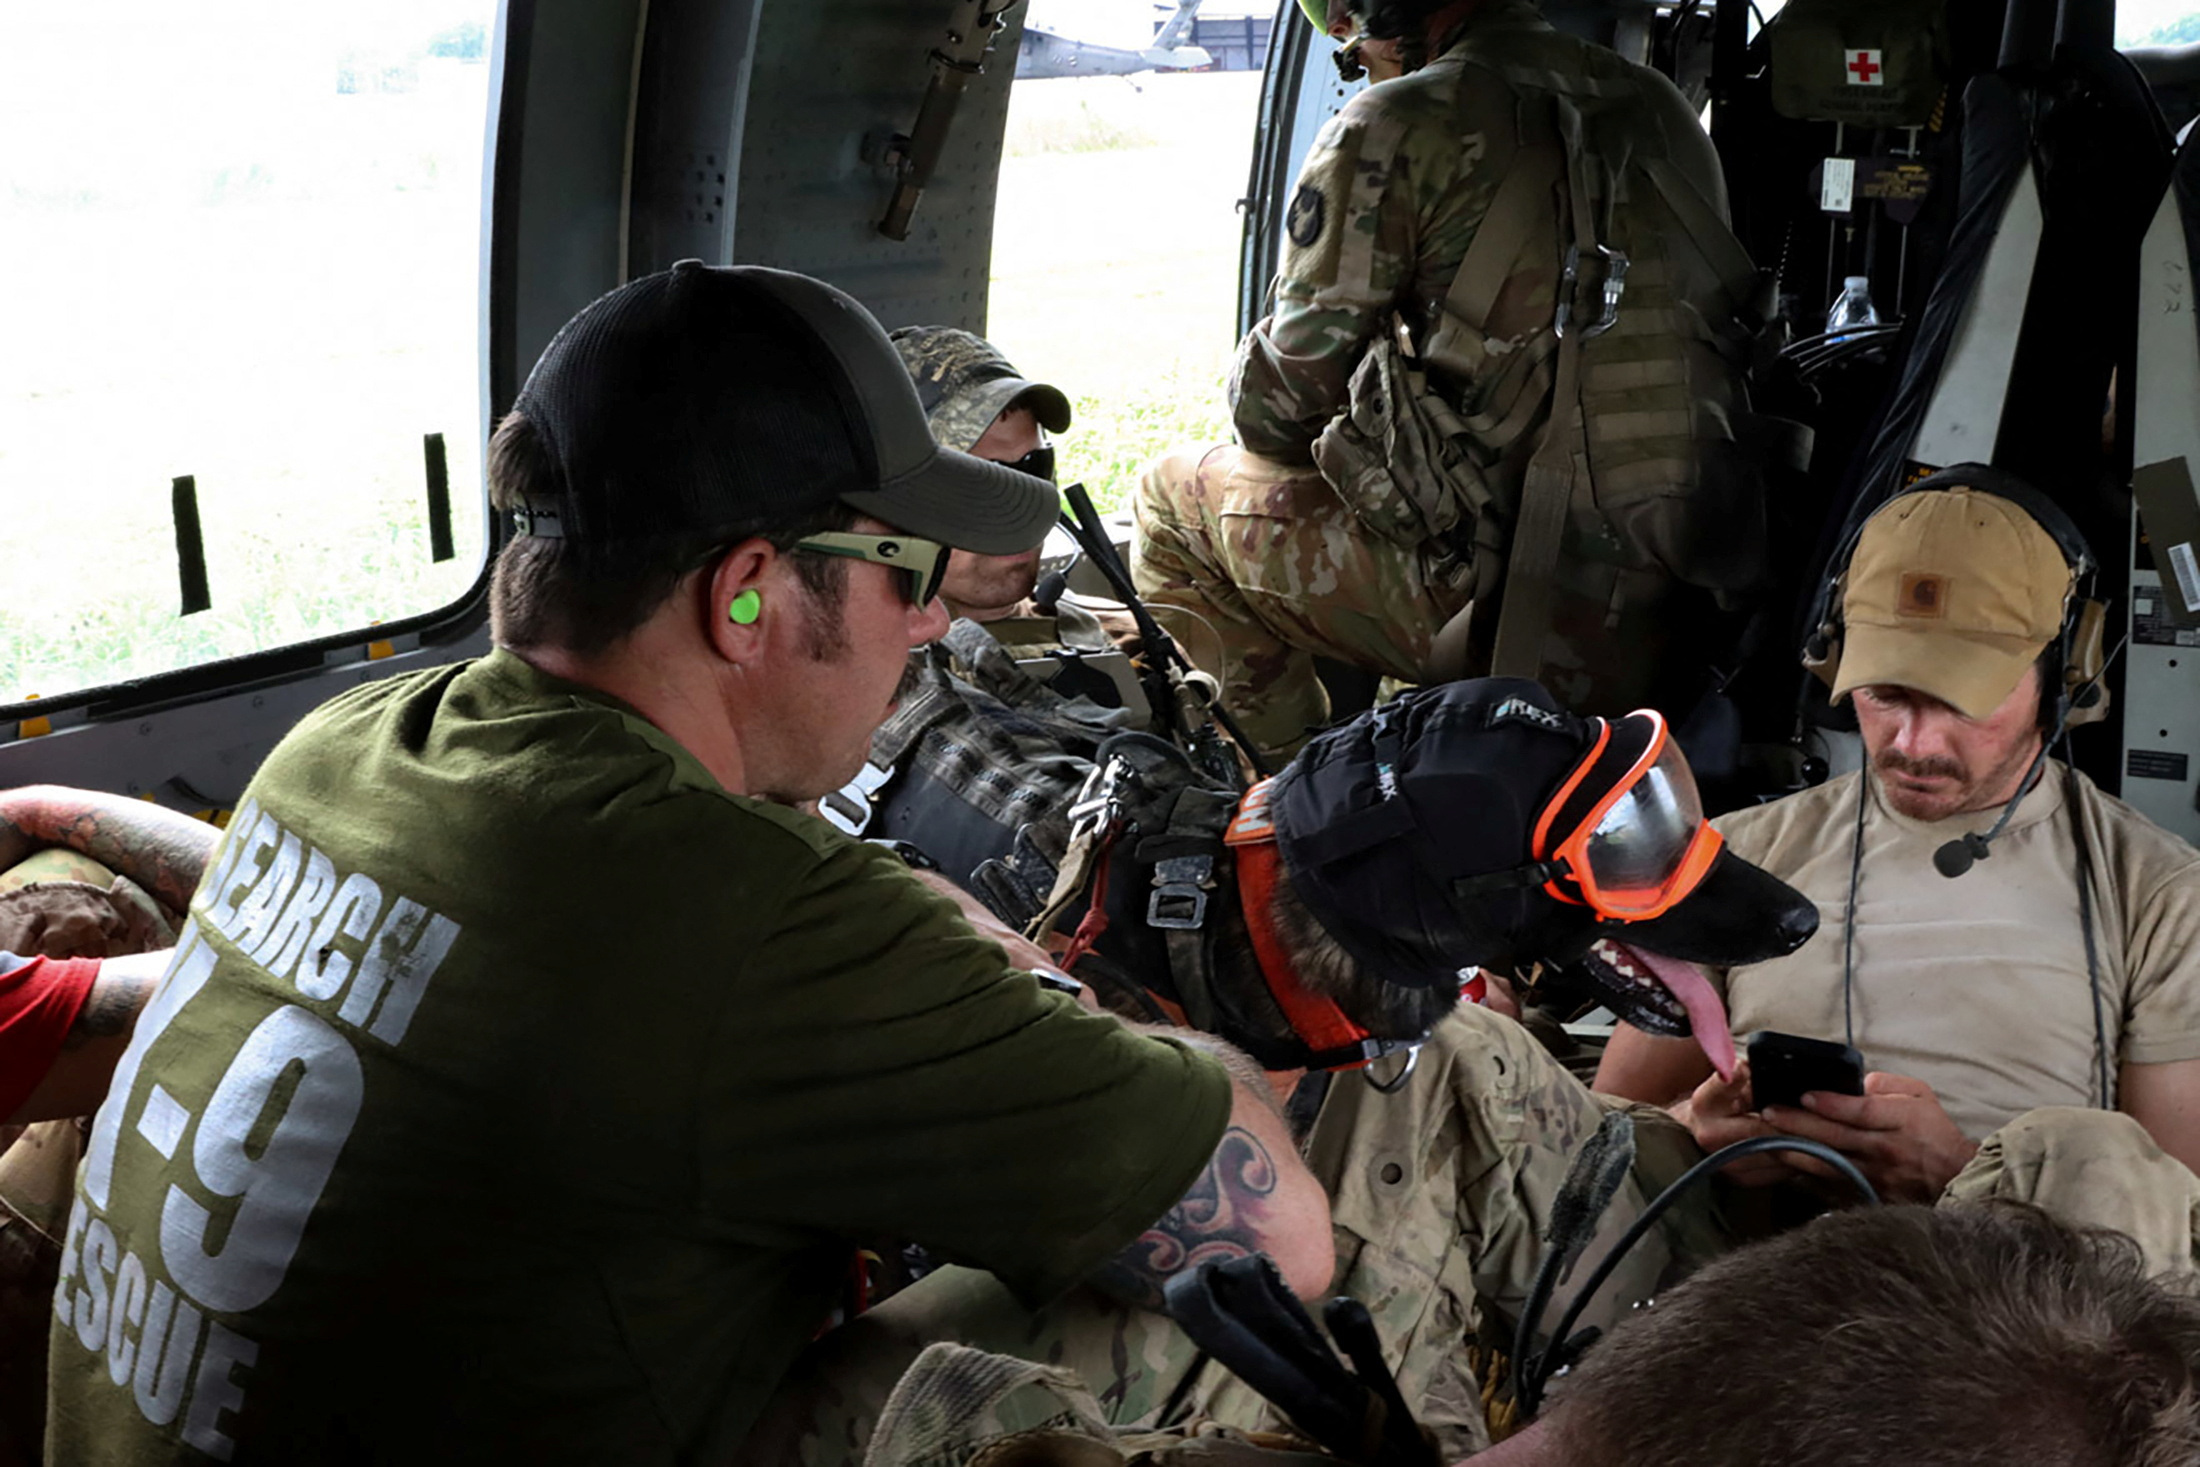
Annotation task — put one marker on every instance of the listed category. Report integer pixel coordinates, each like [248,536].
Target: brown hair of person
[1978,1335]
[586,598]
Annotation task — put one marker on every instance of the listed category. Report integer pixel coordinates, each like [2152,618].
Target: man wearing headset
[2015,954]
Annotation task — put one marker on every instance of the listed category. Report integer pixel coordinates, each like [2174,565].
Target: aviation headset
[2078,695]
[2078,699]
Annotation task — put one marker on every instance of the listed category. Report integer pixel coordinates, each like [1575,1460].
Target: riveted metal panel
[831,85]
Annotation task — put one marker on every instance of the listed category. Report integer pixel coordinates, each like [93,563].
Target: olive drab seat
[1575,418]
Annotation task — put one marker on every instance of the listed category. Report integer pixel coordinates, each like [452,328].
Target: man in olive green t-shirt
[525,1077]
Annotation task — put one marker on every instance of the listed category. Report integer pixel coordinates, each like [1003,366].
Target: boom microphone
[1958,855]
[1955,858]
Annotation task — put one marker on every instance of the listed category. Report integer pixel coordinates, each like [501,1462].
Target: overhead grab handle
[970,35]
[440,547]
[190,547]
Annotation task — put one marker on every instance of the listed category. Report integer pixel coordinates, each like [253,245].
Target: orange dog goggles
[1625,834]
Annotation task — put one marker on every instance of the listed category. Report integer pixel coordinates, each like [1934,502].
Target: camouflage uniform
[1389,201]
[1280,570]
[1440,1195]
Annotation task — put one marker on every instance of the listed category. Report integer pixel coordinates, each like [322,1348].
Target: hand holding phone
[1783,1068]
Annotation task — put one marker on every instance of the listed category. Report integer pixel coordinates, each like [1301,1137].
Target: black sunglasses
[1039,463]
[923,563]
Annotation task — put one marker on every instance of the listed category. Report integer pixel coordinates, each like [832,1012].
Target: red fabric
[1315,1019]
[38,1003]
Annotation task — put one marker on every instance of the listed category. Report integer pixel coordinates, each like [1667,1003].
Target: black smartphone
[1784,1067]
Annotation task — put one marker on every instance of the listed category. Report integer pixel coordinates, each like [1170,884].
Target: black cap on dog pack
[706,396]
[1409,834]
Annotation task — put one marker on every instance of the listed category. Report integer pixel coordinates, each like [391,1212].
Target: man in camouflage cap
[1288,550]
[977,403]
[976,746]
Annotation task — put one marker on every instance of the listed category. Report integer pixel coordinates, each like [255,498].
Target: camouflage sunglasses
[924,562]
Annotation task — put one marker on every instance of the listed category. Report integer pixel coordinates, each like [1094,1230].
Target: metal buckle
[1615,286]
[1097,809]
[1180,887]
[1396,1082]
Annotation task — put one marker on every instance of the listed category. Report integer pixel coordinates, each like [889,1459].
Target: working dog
[1399,860]
[1322,922]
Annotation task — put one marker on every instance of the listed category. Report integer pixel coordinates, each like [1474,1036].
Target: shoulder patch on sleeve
[1303,220]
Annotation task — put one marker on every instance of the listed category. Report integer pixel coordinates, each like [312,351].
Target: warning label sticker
[2150,624]
[2155,764]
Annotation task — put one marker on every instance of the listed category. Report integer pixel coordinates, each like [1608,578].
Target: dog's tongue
[1706,1015]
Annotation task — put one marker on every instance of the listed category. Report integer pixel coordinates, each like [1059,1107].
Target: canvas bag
[1868,63]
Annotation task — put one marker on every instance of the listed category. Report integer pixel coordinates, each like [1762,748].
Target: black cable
[1528,1381]
[1848,916]
[2085,922]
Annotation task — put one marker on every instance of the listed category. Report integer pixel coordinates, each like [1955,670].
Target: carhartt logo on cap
[1520,710]
[1923,593]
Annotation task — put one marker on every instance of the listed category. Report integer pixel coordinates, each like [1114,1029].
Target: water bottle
[1853,309]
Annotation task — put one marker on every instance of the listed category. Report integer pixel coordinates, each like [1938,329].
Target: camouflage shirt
[1387,203]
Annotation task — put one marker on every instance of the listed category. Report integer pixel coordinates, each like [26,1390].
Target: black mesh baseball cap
[1381,821]
[707,396]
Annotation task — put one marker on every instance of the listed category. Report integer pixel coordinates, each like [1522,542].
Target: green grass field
[1115,247]
[271,311]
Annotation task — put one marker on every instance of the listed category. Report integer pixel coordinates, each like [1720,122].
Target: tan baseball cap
[1952,592]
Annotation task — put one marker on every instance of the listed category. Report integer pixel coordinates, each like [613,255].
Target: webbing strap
[1504,231]
[1088,848]
[1515,405]
[1713,239]
[1524,613]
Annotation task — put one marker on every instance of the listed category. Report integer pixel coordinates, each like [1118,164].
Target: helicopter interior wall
[605,113]
[631,133]
[833,83]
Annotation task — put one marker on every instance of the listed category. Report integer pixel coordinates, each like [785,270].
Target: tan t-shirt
[1977,984]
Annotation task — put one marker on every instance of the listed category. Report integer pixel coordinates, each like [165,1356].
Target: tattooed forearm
[111,1008]
[160,850]
[1218,1218]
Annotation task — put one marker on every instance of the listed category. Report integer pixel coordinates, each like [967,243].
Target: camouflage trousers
[1441,1194]
[1283,572]
[2091,1169]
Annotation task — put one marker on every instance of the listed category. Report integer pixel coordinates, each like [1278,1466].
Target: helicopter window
[242,241]
[2157,23]
[1115,234]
